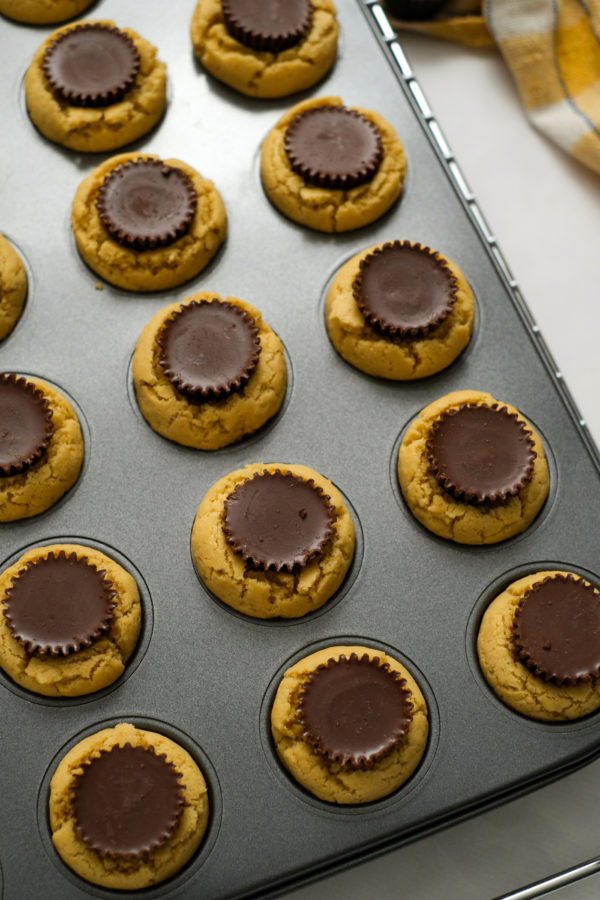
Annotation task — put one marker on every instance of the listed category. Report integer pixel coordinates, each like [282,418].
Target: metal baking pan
[202,674]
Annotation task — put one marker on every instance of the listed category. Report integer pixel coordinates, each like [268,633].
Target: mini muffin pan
[202,674]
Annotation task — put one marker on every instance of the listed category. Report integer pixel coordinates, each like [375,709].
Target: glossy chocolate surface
[278,521]
[209,350]
[333,147]
[354,710]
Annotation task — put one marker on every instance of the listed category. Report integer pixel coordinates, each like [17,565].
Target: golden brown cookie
[264,73]
[153,269]
[438,510]
[513,681]
[117,872]
[42,12]
[325,208]
[95,129]
[90,668]
[43,482]
[13,286]
[262,593]
[326,777]
[399,358]
[216,422]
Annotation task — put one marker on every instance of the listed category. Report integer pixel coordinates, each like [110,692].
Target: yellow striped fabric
[552,48]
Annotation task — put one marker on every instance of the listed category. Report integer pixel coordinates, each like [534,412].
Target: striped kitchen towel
[552,48]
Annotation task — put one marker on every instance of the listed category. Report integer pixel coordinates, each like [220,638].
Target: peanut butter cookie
[42,12]
[109,826]
[88,594]
[166,237]
[41,447]
[464,484]
[208,371]
[539,646]
[13,286]
[96,105]
[412,332]
[253,49]
[309,179]
[356,757]
[273,540]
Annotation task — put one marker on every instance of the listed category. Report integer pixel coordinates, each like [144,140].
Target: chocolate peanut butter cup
[481,454]
[274,25]
[354,711]
[333,147]
[209,349]
[404,290]
[556,630]
[414,10]
[145,204]
[91,65]
[278,521]
[25,425]
[126,802]
[59,604]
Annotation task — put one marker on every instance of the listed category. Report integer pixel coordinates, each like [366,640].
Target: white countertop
[544,210]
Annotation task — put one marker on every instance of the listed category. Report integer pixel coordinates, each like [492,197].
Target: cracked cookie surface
[260,73]
[93,130]
[214,423]
[325,778]
[511,680]
[148,270]
[325,209]
[13,286]
[399,359]
[39,487]
[257,593]
[166,860]
[91,668]
[463,522]
[43,12]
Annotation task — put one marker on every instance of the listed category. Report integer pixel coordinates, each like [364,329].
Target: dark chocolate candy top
[355,711]
[481,453]
[414,10]
[25,424]
[556,630]
[127,802]
[59,604]
[333,147]
[91,65]
[209,349]
[278,521]
[144,204]
[272,25]
[404,290]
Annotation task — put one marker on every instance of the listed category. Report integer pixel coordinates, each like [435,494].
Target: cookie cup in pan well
[398,359]
[13,286]
[438,510]
[94,130]
[267,594]
[43,12]
[259,73]
[44,483]
[328,779]
[91,668]
[155,269]
[326,209]
[165,860]
[208,425]
[512,681]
